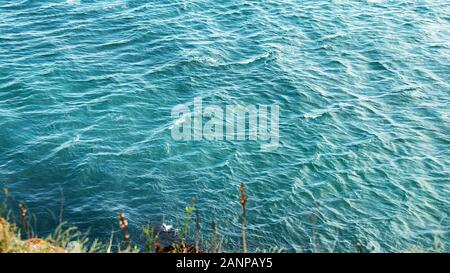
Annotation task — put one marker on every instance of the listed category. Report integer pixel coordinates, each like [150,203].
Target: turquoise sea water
[87,88]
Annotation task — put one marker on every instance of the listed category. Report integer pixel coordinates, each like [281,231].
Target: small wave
[263,56]
[311,116]
[183,119]
[214,62]
[375,1]
[73,2]
[317,113]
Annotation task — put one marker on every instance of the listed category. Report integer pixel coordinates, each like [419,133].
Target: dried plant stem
[108,250]
[157,246]
[214,243]
[243,202]
[61,207]
[197,231]
[123,226]
[23,213]
[5,202]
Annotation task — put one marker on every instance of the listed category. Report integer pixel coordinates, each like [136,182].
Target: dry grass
[69,239]
[10,242]
[243,202]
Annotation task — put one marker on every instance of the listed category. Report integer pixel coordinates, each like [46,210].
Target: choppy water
[86,90]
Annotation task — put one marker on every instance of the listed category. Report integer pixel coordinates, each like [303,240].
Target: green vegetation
[68,239]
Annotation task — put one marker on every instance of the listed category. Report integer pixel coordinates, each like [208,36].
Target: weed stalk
[123,223]
[23,213]
[243,202]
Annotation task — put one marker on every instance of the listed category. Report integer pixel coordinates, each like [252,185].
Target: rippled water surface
[87,88]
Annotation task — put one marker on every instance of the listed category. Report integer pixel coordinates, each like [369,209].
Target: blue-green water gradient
[87,88]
